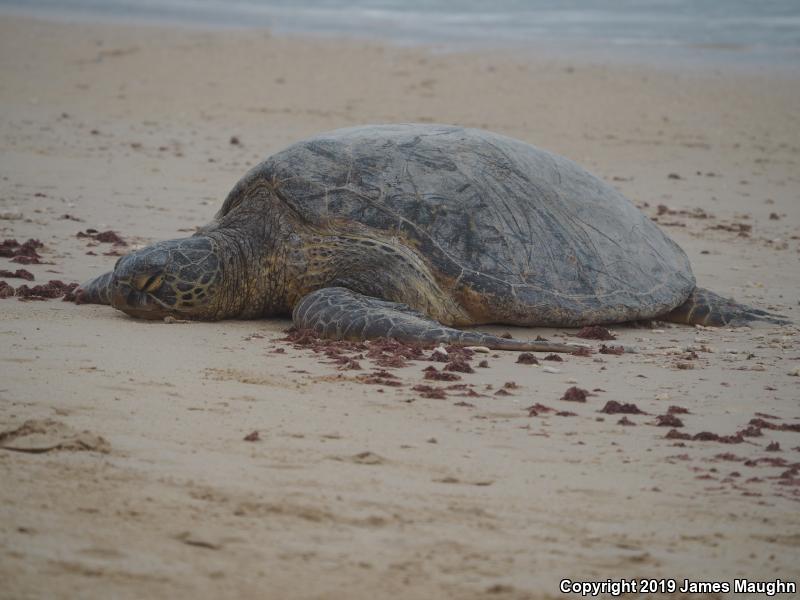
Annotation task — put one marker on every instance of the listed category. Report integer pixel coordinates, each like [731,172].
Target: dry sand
[367,491]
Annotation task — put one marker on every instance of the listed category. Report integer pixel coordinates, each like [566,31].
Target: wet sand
[359,490]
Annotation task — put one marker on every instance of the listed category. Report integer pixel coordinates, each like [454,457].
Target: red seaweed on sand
[526,358]
[595,332]
[24,253]
[761,423]
[52,289]
[459,365]
[613,407]
[704,436]
[432,373]
[19,274]
[575,394]
[105,237]
[537,409]
[428,391]
[380,377]
[617,350]
[668,420]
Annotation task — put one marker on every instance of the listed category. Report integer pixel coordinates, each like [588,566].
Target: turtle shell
[535,236]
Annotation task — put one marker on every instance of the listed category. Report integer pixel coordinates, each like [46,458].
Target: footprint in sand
[362,458]
[46,435]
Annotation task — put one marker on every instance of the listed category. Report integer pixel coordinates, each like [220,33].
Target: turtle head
[180,278]
[234,267]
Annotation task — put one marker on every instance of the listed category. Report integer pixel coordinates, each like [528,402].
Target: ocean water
[764,31]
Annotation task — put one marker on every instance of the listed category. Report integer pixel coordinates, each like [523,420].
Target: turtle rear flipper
[704,307]
[339,313]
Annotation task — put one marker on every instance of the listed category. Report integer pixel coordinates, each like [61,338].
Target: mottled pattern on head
[175,276]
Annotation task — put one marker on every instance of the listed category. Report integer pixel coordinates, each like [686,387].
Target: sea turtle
[411,231]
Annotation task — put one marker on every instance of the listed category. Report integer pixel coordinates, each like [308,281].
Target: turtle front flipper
[704,307]
[339,313]
[95,291]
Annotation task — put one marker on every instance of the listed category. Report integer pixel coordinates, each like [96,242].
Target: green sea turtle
[412,231]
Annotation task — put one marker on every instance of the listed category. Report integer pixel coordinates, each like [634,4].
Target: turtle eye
[148,283]
[154,283]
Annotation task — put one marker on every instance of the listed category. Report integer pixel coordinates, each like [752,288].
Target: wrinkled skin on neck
[230,269]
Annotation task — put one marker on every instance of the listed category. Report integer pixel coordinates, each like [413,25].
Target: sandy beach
[139,482]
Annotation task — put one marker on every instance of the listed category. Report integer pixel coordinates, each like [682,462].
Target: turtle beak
[135,302]
[95,291]
[132,284]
